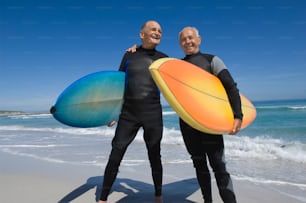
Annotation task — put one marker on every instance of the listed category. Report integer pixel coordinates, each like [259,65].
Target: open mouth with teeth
[155,37]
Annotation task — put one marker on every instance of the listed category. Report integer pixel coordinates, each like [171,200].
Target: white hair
[190,27]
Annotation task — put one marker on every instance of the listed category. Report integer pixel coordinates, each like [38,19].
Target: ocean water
[271,151]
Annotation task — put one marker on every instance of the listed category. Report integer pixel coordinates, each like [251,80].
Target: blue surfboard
[91,101]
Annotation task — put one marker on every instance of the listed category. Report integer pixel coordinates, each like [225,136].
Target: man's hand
[236,127]
[132,49]
[111,124]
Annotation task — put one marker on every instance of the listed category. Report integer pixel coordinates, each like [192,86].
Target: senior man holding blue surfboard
[141,108]
[99,98]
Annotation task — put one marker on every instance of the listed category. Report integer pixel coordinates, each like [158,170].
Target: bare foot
[159,199]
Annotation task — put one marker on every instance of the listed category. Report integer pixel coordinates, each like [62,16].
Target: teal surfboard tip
[52,109]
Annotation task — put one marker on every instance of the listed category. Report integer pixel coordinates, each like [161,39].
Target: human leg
[217,161]
[125,134]
[194,145]
[153,130]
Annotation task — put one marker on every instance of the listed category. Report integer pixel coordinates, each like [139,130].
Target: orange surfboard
[197,96]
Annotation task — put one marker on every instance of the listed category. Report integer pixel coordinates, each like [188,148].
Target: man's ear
[199,40]
[141,35]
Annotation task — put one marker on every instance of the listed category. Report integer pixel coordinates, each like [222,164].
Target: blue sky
[45,45]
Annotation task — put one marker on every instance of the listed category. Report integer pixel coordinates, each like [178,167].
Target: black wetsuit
[202,145]
[141,108]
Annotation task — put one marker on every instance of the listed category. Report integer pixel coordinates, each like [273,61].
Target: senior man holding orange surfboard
[203,93]
[203,145]
[205,96]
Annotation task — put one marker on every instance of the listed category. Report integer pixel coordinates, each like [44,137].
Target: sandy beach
[28,180]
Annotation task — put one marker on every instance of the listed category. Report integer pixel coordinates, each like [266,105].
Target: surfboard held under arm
[197,96]
[91,101]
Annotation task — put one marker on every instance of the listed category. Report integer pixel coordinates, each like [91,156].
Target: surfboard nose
[52,110]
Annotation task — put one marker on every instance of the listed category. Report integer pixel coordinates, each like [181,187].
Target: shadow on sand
[137,191]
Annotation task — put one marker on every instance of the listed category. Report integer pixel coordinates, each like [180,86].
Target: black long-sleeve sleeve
[232,92]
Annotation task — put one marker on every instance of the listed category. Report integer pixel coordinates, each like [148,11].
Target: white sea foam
[34,156]
[165,113]
[33,146]
[179,161]
[265,148]
[236,146]
[270,182]
[172,136]
[133,162]
[262,147]
[30,116]
[288,107]
[298,107]
[75,131]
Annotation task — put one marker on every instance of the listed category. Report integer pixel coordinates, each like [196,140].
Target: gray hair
[190,27]
[145,24]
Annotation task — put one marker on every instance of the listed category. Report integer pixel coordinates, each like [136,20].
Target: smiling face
[190,40]
[150,35]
